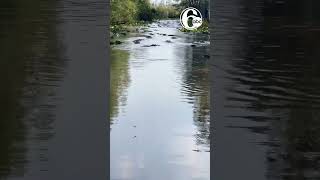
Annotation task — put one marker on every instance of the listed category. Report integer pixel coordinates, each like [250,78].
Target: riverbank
[119,32]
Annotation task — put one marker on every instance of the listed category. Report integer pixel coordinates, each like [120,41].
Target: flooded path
[160,105]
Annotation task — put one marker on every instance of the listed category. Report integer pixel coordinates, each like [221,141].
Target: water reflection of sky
[155,136]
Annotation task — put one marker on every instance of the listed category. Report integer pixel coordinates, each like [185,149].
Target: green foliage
[163,12]
[145,11]
[123,11]
[130,12]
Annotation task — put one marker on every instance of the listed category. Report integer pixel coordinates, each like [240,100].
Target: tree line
[132,11]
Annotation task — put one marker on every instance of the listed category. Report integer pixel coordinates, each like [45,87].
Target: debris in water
[115,42]
[150,45]
[137,41]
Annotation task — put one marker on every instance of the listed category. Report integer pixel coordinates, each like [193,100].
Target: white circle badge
[191,18]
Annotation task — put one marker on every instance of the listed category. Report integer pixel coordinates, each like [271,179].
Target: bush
[145,11]
[132,11]
[166,12]
[123,12]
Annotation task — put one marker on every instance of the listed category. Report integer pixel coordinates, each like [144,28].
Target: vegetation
[135,12]
[201,5]
[123,11]
[128,13]
[165,11]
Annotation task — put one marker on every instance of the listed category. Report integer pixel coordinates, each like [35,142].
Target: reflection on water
[119,80]
[195,86]
[46,67]
[162,130]
[29,74]
[271,78]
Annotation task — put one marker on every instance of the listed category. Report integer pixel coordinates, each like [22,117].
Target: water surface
[266,90]
[51,124]
[160,106]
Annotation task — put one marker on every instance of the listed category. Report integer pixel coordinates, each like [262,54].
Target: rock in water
[150,45]
[137,41]
[118,42]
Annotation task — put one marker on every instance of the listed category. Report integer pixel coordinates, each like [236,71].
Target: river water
[265,90]
[51,123]
[160,105]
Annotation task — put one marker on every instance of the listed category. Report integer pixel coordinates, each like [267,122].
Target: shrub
[123,12]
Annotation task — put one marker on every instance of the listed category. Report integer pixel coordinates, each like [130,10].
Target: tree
[123,11]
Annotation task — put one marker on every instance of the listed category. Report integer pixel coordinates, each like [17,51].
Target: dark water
[47,64]
[160,106]
[266,90]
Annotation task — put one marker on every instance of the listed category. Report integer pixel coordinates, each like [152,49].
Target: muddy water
[160,105]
